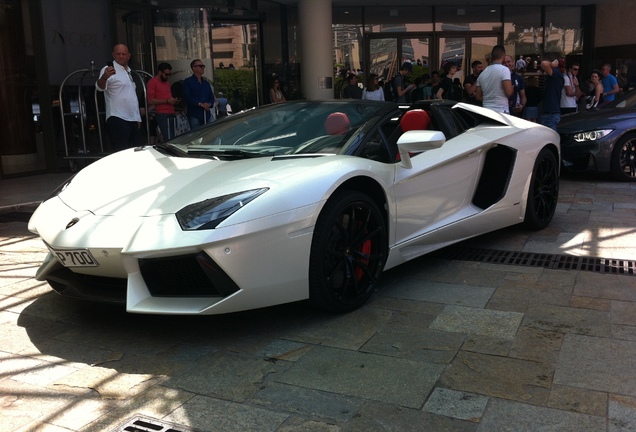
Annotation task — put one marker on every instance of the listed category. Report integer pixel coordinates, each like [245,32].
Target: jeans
[166,123]
[123,134]
[195,122]
[550,120]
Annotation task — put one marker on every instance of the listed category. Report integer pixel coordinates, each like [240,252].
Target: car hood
[589,120]
[147,183]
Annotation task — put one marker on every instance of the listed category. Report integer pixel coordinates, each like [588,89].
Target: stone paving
[442,346]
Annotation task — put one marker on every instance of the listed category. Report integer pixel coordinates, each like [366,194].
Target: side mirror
[418,141]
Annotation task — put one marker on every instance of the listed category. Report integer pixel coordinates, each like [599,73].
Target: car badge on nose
[72,222]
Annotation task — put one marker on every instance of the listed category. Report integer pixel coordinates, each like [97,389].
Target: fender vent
[550,261]
[140,423]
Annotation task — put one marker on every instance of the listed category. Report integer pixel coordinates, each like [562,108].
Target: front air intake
[194,275]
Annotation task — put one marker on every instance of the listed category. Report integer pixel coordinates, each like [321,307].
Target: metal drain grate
[550,261]
[140,423]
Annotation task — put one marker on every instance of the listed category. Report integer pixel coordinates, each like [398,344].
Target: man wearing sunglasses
[199,96]
[571,90]
[159,95]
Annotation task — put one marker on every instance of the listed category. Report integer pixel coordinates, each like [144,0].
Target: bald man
[122,106]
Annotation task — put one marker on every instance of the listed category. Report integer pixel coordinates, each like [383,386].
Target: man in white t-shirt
[571,90]
[494,86]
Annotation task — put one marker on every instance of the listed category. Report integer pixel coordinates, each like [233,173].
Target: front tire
[348,252]
[544,191]
[623,163]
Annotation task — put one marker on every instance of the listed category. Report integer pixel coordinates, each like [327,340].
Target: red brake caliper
[366,250]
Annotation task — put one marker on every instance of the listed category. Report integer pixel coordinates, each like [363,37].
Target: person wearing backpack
[447,89]
[399,83]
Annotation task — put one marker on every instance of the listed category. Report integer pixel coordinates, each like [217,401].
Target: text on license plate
[75,258]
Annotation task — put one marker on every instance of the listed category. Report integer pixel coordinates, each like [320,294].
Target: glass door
[465,49]
[480,48]
[133,28]
[453,50]
[386,54]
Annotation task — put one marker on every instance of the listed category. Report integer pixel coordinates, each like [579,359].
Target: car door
[437,190]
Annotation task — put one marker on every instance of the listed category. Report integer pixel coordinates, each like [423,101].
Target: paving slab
[308,403]
[348,331]
[578,400]
[510,416]
[437,292]
[487,345]
[209,413]
[426,345]
[568,320]
[484,322]
[536,344]
[294,424]
[226,375]
[597,363]
[456,404]
[622,413]
[503,377]
[386,379]
[375,416]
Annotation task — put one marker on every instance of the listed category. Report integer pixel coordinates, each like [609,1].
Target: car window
[627,100]
[375,148]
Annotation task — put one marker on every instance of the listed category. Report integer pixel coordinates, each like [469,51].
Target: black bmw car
[602,140]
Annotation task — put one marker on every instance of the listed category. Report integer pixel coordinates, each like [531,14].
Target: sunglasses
[201,66]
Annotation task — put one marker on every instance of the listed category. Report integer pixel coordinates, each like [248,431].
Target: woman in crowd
[595,94]
[373,90]
[275,93]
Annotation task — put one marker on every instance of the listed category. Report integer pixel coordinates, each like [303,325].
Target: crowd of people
[505,85]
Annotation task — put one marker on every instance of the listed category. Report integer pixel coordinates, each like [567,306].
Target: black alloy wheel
[623,163]
[348,252]
[544,191]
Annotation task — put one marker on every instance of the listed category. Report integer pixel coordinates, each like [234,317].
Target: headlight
[211,212]
[591,135]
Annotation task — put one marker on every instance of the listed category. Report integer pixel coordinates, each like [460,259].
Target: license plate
[75,257]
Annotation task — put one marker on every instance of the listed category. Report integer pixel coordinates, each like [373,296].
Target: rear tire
[348,252]
[623,163]
[544,191]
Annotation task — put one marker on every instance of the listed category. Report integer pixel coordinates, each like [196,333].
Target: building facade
[51,52]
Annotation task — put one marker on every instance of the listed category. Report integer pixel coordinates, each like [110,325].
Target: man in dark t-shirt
[552,89]
[469,82]
[352,91]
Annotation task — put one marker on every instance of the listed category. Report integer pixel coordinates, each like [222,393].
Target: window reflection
[468,18]
[523,30]
[398,19]
[563,30]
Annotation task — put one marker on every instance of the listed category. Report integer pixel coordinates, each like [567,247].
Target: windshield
[627,100]
[283,129]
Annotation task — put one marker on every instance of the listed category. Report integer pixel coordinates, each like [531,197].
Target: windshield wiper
[169,149]
[229,153]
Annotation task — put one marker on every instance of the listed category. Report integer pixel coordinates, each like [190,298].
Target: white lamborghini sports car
[301,200]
